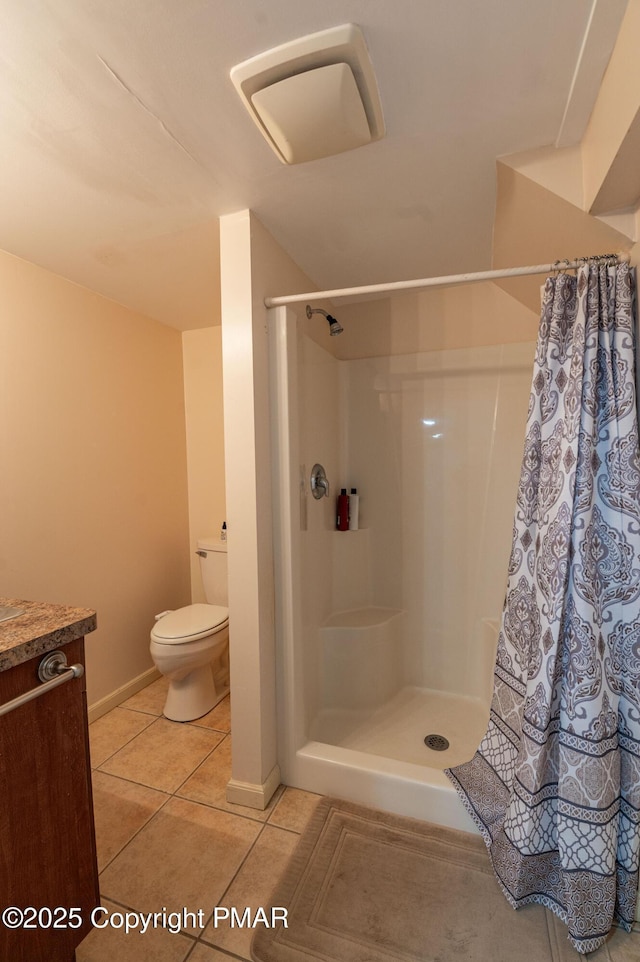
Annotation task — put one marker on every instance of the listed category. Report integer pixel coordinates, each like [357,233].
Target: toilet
[191,645]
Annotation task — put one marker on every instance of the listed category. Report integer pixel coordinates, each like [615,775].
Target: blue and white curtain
[555,784]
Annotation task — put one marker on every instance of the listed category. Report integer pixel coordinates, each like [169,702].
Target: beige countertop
[43,627]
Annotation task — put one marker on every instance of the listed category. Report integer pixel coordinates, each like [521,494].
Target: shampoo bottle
[342,520]
[354,506]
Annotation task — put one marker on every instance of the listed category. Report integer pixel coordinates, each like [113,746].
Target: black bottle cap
[343,490]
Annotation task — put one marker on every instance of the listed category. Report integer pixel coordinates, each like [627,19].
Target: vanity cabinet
[47,838]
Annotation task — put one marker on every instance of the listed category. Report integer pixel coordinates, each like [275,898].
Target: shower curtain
[555,784]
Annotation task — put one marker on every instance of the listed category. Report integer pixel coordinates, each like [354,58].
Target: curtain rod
[425,282]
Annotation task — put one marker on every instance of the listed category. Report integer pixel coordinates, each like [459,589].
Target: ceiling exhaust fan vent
[315,96]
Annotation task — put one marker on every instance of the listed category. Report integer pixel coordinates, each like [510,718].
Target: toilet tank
[213,568]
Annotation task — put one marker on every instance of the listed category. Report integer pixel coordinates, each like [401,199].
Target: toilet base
[194,695]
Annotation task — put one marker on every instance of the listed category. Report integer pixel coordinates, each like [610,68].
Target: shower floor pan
[397,729]
[379,757]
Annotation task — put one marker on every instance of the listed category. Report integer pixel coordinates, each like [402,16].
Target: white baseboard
[116,697]
[253,795]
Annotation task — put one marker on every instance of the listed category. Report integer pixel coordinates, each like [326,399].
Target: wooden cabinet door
[47,839]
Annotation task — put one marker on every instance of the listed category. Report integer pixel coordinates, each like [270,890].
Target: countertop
[43,627]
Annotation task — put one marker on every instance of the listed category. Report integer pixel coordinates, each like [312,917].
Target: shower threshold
[397,729]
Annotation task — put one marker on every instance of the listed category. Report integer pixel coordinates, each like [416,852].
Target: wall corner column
[255,773]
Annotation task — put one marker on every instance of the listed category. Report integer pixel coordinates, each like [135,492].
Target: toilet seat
[190,623]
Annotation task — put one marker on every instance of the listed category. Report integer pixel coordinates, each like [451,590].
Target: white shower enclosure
[386,635]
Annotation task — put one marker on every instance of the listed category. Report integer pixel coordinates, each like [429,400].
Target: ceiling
[123,139]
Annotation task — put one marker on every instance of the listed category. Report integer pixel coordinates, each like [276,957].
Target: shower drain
[437,742]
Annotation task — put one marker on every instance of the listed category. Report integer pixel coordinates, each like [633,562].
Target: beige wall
[202,358]
[533,225]
[610,143]
[547,198]
[253,266]
[93,487]
[442,318]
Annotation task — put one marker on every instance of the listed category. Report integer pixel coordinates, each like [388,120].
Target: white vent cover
[315,96]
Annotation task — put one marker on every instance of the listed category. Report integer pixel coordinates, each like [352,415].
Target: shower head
[334,326]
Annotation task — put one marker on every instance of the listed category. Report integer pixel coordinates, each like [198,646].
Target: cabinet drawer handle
[52,671]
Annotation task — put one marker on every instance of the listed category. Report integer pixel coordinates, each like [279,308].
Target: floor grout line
[201,763]
[128,742]
[100,768]
[135,834]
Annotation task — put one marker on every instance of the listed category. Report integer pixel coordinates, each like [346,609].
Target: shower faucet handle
[319,482]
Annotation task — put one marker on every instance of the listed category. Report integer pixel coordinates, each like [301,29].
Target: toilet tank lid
[192,620]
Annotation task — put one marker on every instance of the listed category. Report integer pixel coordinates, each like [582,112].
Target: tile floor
[168,839]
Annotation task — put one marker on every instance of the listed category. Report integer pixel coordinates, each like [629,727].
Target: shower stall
[386,635]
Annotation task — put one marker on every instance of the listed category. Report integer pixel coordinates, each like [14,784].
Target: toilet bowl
[190,646]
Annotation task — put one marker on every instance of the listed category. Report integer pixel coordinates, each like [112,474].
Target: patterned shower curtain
[555,784]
